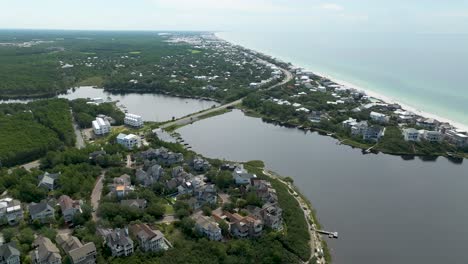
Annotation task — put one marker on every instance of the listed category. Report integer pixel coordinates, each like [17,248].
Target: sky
[427,16]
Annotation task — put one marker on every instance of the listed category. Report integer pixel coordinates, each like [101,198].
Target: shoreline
[368,92]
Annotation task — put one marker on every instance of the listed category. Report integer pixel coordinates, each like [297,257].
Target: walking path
[315,240]
[96,195]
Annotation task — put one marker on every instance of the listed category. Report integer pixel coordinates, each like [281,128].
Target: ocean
[428,72]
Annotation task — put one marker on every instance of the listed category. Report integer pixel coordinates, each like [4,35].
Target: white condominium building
[133,120]
[101,126]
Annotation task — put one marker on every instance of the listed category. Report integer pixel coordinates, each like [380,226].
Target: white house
[410,134]
[133,120]
[101,126]
[128,141]
[241,176]
[378,117]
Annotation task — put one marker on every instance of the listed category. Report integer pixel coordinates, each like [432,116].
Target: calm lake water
[386,209]
[152,107]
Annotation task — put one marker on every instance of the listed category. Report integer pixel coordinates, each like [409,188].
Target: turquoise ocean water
[426,71]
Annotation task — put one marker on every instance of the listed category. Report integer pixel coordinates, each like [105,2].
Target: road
[194,117]
[31,165]
[96,195]
[315,242]
[80,143]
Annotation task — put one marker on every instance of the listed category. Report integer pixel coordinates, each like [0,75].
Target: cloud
[332,6]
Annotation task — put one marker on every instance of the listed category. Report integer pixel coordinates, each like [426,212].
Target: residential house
[458,138]
[118,241]
[241,176]
[128,141]
[151,176]
[45,252]
[10,211]
[431,136]
[96,154]
[9,254]
[373,133]
[133,120]
[101,126]
[76,251]
[148,239]
[48,180]
[244,226]
[200,164]
[316,116]
[42,211]
[271,215]
[264,190]
[121,186]
[427,123]
[411,134]
[135,203]
[349,123]
[69,207]
[359,128]
[208,227]
[205,194]
[379,117]
[162,155]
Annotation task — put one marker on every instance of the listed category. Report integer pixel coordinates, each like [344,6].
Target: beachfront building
[458,138]
[431,136]
[133,120]
[379,117]
[410,134]
[101,126]
[128,141]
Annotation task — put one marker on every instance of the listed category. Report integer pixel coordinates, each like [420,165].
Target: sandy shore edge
[370,93]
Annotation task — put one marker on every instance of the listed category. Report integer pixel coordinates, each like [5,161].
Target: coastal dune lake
[152,107]
[386,209]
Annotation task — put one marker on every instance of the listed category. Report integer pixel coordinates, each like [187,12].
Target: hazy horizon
[429,16]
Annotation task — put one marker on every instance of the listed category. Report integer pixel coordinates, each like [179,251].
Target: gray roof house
[135,203]
[118,241]
[78,253]
[373,133]
[41,211]
[69,207]
[45,252]
[9,254]
[151,176]
[10,210]
[148,239]
[48,180]
[200,164]
[208,227]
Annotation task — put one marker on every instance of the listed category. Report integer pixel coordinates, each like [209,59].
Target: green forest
[28,131]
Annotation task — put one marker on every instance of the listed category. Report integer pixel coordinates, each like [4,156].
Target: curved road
[194,117]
